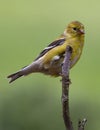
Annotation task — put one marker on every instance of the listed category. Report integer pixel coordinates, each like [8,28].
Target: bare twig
[81,124]
[65,89]
[65,93]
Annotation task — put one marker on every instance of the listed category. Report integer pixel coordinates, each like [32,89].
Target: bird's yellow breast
[77,46]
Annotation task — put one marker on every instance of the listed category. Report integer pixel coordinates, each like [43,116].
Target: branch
[65,89]
[81,124]
[65,93]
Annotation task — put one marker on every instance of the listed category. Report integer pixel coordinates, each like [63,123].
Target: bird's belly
[75,57]
[73,62]
[54,67]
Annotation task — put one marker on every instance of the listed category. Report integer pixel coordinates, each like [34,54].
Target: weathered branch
[65,88]
[81,124]
[65,93]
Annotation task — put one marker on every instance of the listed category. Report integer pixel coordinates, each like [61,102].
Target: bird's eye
[74,29]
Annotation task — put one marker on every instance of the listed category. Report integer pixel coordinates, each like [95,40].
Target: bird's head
[74,29]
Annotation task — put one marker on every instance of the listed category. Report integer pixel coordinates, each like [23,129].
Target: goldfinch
[51,58]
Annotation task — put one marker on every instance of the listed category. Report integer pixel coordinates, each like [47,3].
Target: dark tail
[15,76]
[32,68]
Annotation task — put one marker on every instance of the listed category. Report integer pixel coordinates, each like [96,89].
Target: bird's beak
[81,31]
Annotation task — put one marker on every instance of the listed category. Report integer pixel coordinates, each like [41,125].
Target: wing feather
[51,46]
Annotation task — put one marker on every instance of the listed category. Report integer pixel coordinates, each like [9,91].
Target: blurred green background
[34,102]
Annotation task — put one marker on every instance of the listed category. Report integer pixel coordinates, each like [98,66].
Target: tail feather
[15,76]
[32,68]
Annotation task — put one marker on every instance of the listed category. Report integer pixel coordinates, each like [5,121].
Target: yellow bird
[51,58]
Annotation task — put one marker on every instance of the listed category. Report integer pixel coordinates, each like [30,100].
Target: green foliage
[33,102]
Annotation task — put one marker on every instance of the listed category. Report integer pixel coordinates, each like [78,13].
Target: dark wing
[51,46]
